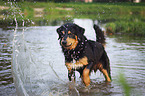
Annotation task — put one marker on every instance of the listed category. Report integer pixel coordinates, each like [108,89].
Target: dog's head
[69,35]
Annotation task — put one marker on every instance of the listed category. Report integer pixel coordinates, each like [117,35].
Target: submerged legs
[105,73]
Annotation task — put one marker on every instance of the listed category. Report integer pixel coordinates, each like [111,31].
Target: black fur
[93,50]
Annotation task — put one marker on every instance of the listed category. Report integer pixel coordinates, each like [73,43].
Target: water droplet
[33,22]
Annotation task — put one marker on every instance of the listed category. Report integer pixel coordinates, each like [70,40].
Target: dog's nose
[64,42]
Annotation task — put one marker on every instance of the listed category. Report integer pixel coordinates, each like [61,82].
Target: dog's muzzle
[64,43]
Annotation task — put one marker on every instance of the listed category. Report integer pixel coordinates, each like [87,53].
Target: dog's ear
[79,30]
[59,32]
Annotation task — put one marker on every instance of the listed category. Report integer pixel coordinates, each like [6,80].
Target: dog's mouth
[67,45]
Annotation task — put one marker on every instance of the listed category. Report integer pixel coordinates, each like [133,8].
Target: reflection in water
[38,64]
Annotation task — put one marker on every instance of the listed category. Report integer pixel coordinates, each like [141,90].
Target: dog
[83,55]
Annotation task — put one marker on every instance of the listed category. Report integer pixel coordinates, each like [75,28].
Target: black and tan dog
[83,55]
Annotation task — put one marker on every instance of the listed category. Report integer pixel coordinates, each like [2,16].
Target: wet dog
[81,54]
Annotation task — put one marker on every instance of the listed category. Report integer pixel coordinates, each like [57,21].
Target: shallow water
[6,79]
[38,64]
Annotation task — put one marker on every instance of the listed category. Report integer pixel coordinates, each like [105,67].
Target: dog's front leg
[71,73]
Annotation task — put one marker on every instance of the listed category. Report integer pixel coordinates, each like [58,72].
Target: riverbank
[118,17]
[126,28]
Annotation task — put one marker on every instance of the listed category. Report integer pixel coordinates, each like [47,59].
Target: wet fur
[81,54]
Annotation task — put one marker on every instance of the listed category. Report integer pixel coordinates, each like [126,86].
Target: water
[6,79]
[38,64]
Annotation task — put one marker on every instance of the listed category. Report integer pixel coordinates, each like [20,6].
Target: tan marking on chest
[83,60]
[77,64]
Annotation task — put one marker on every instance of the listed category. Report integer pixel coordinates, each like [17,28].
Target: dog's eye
[70,34]
[62,34]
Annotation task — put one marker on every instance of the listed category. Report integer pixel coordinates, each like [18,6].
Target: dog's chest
[76,64]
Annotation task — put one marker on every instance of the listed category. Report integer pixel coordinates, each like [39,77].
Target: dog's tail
[99,35]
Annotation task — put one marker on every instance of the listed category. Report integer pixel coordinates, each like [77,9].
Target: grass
[130,28]
[122,18]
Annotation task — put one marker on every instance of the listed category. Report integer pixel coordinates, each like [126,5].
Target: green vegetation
[126,18]
[128,89]
[124,84]
[122,27]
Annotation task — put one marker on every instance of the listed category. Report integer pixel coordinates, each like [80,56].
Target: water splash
[25,65]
